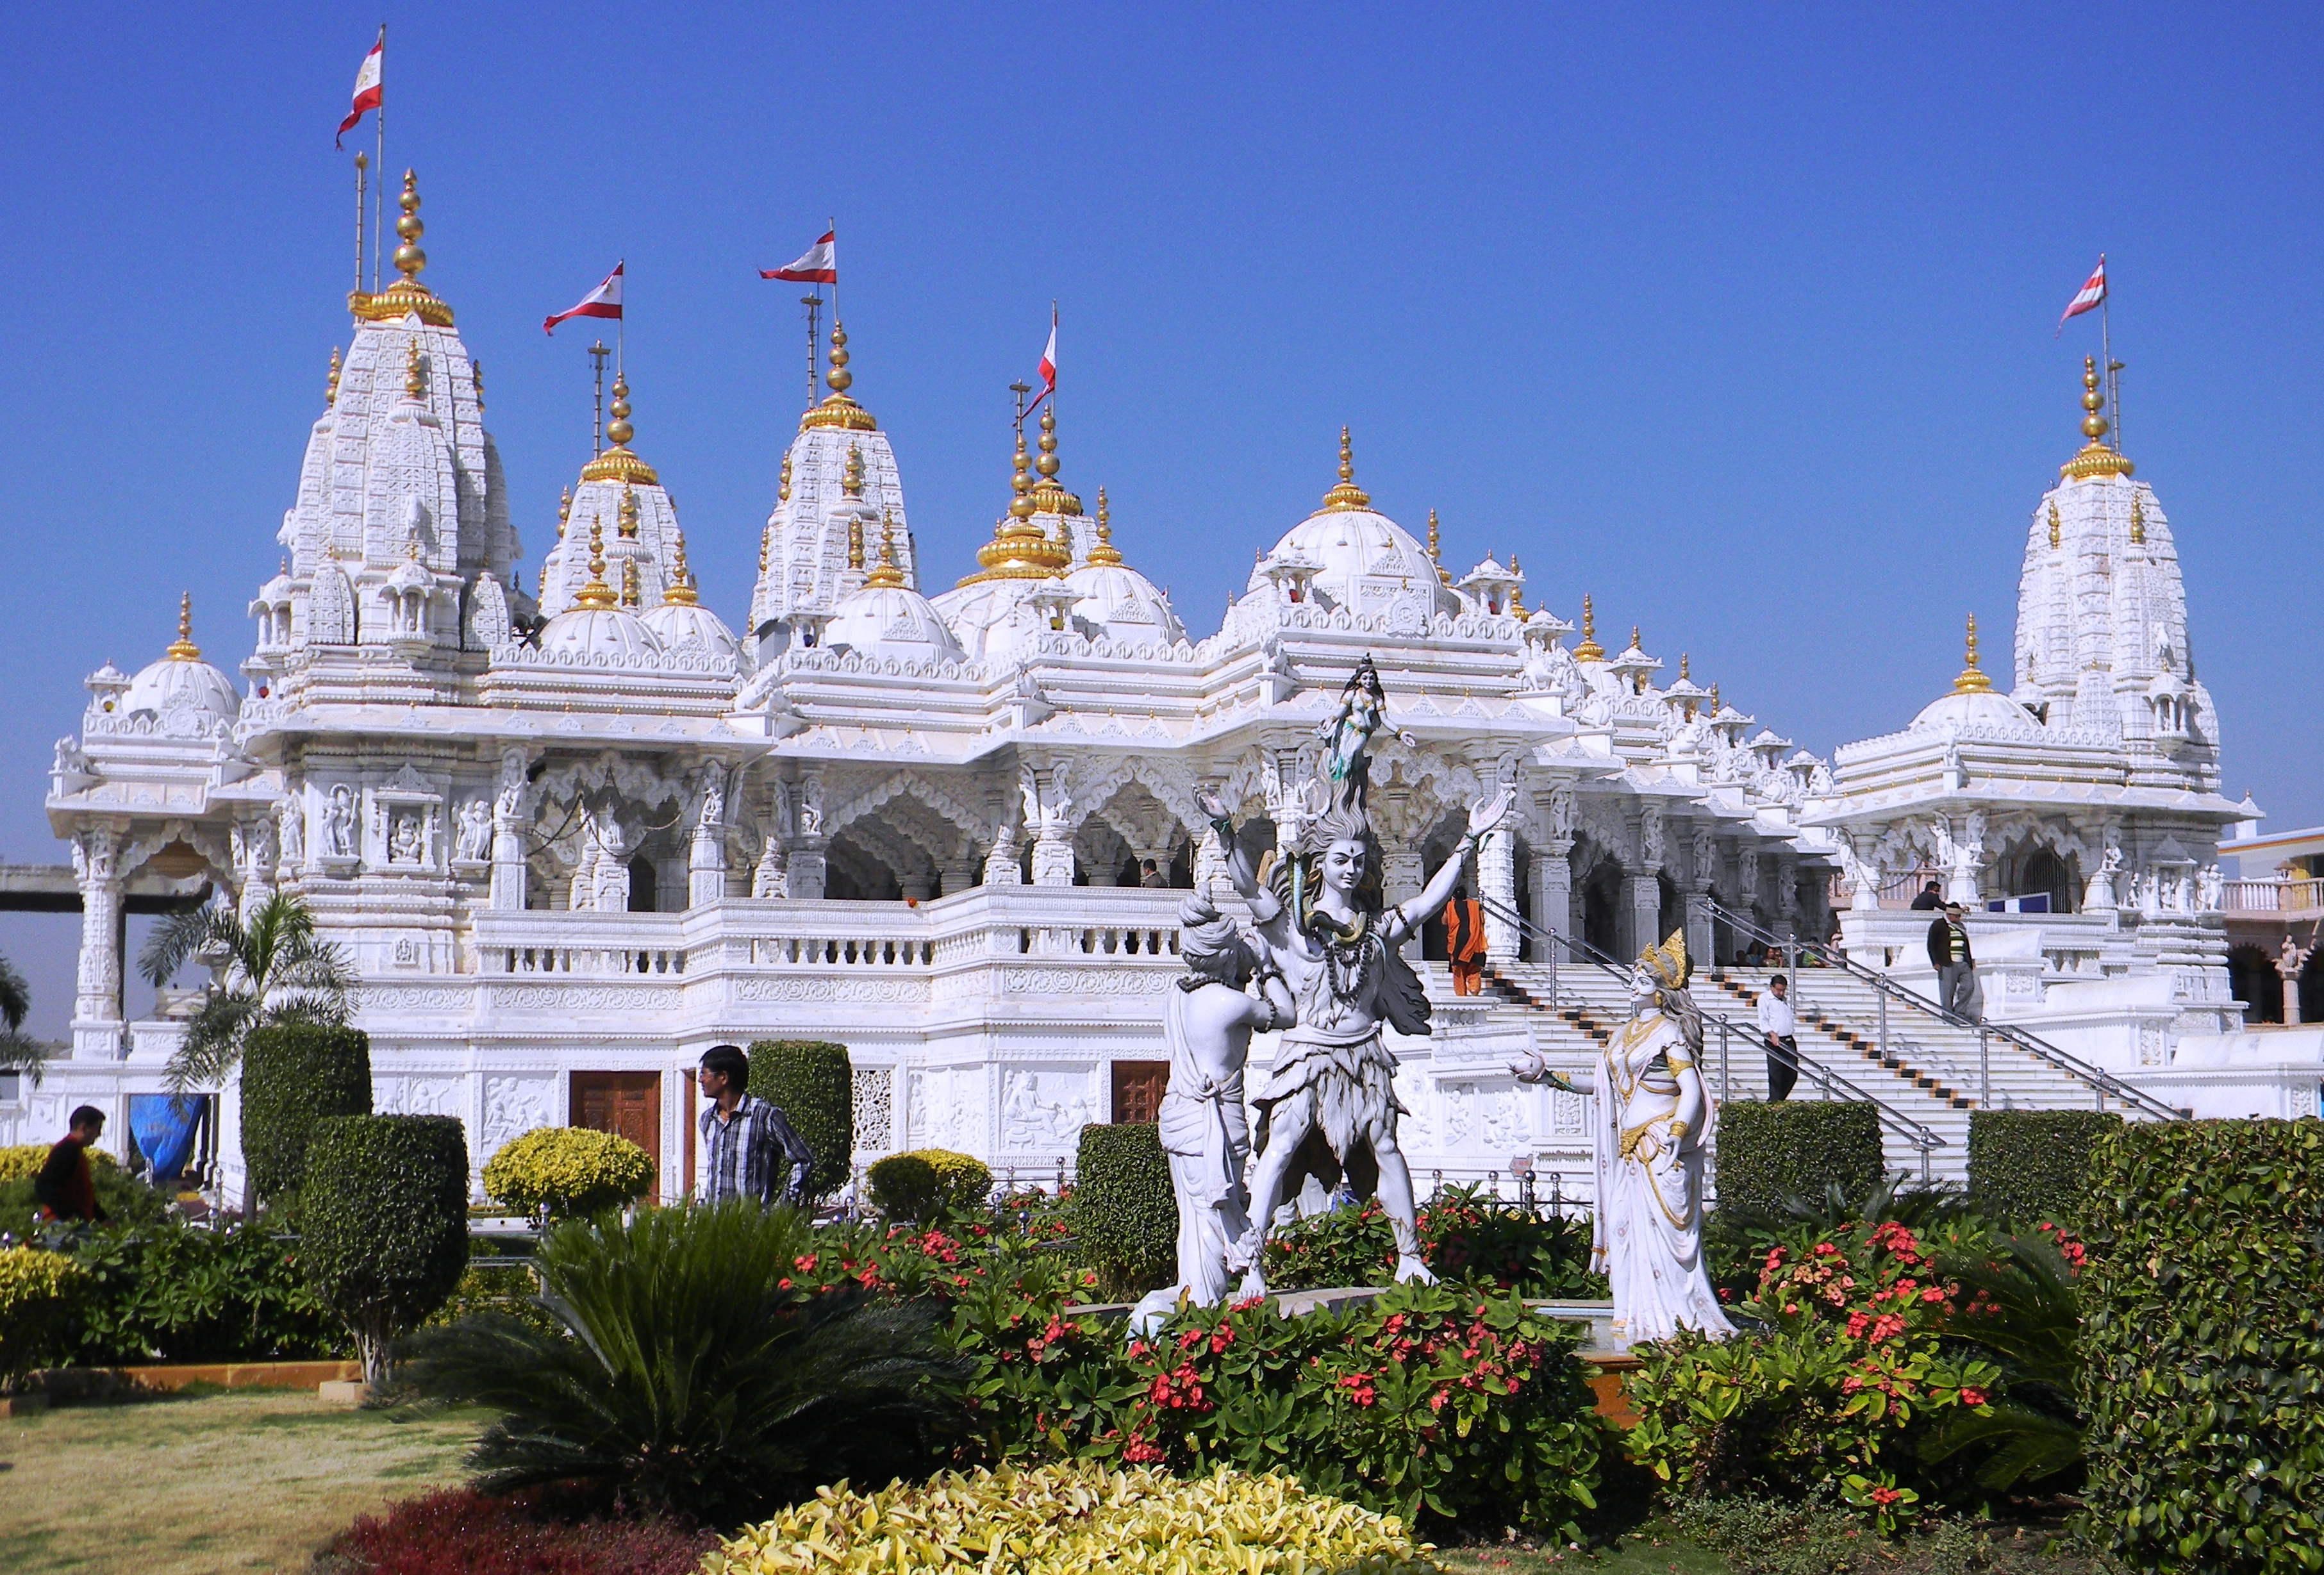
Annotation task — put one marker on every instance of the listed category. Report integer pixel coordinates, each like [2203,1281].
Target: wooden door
[1137,1087]
[627,1104]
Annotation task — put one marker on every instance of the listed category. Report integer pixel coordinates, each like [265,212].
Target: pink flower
[1971,1396]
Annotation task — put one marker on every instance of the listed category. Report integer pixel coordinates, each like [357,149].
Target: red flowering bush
[1464,1235]
[1433,1402]
[1858,1367]
[461,1532]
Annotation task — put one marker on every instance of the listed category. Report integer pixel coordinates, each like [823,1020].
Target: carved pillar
[1788,916]
[253,860]
[1402,875]
[1702,852]
[1497,883]
[2289,963]
[97,1000]
[805,852]
[1210,859]
[512,817]
[958,873]
[705,863]
[1550,876]
[1642,910]
[1864,874]
[1048,811]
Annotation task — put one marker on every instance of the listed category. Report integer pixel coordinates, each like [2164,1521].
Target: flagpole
[834,227]
[2106,351]
[379,129]
[598,353]
[362,167]
[813,301]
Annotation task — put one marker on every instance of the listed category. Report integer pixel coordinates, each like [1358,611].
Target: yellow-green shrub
[574,1170]
[903,1192]
[37,1292]
[1065,1519]
[22,1161]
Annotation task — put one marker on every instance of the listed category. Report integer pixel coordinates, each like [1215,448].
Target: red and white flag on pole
[605,302]
[2092,292]
[1048,367]
[367,90]
[819,265]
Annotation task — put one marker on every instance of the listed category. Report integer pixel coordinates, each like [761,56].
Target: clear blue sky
[1742,322]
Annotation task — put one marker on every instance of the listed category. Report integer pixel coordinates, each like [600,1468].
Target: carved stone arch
[211,843]
[908,817]
[1908,845]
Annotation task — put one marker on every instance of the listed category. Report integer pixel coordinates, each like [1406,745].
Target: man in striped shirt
[752,1151]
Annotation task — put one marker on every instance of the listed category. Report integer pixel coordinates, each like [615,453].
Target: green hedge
[2203,1346]
[385,1217]
[926,1184]
[1125,1215]
[1770,1152]
[2028,1167]
[811,1081]
[293,1075]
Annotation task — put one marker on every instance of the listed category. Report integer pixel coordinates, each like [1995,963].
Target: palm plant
[18,1050]
[271,969]
[686,1374]
[2035,1429]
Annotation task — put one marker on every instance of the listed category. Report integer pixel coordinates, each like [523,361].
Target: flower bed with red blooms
[461,1532]
[1869,1347]
[1463,1235]
[1437,1403]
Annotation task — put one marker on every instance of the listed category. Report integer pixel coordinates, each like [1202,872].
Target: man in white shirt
[1778,1025]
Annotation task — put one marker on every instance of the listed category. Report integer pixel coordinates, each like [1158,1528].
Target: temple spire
[1589,650]
[1347,494]
[679,591]
[596,594]
[183,648]
[2096,459]
[837,409]
[617,463]
[885,574]
[1972,681]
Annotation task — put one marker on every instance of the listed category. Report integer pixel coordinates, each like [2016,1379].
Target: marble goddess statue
[1647,1141]
[1207,1023]
[1325,930]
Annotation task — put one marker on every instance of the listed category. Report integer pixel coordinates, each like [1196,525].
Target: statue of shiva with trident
[1326,944]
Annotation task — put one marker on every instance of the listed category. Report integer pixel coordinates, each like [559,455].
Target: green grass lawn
[242,1481]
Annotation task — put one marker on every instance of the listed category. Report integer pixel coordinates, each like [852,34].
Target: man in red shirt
[64,1189]
[1464,941]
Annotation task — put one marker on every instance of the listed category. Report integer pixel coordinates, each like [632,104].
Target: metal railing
[2103,1084]
[1922,1140]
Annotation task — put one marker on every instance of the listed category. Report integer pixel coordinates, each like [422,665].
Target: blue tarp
[165,1128]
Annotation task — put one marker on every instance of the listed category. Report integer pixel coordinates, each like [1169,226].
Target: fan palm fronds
[273,968]
[15,995]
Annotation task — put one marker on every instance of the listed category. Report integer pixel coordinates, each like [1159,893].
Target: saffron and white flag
[819,265]
[1048,368]
[367,88]
[605,302]
[2092,292]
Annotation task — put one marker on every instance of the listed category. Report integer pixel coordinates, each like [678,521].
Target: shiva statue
[1326,937]
[1648,1139]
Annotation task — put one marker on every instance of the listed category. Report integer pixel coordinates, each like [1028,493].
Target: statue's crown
[1669,961]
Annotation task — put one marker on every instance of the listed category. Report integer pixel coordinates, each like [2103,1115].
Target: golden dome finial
[331,389]
[766,548]
[854,543]
[1972,681]
[407,297]
[839,380]
[629,515]
[851,481]
[2094,458]
[1634,638]
[1020,482]
[783,480]
[476,379]
[618,431]
[1681,658]
[1516,592]
[1048,495]
[564,512]
[409,258]
[1589,650]
[1347,494]
[2137,519]
[183,648]
[412,383]
[1437,551]
[679,590]
[628,582]
[1715,706]
[618,463]
[596,593]
[2053,521]
[885,574]
[1104,552]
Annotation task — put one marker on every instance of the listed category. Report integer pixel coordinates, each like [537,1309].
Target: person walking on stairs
[1955,966]
[1779,1027]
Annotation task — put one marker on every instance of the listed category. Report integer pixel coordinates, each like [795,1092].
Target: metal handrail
[2102,1082]
[1834,1086]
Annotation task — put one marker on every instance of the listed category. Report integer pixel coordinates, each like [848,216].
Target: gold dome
[596,595]
[1589,650]
[183,649]
[679,591]
[886,575]
[1047,495]
[1105,553]
[407,295]
[1020,550]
